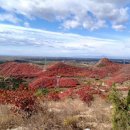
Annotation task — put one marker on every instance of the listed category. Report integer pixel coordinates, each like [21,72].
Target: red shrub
[120,76]
[85,94]
[65,70]
[68,82]
[53,96]
[19,69]
[21,99]
[68,93]
[43,82]
[51,82]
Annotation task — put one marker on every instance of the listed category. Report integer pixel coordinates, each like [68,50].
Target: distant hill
[19,69]
[104,62]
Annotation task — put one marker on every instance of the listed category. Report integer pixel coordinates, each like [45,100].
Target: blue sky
[65,28]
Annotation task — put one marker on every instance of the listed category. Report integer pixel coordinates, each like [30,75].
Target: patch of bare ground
[70,114]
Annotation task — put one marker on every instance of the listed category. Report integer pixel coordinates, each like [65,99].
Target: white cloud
[9,17]
[88,14]
[119,2]
[70,24]
[118,27]
[16,40]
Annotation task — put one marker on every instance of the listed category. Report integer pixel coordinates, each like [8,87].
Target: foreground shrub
[11,83]
[120,117]
[86,94]
[23,100]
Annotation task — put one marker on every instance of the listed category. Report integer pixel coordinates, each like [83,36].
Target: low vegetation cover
[19,69]
[22,100]
[24,86]
[65,70]
[52,82]
[120,76]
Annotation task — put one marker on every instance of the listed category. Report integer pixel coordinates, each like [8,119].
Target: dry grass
[7,119]
[70,114]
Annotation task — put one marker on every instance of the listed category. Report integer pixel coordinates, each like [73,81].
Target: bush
[11,83]
[120,117]
[23,100]
[42,91]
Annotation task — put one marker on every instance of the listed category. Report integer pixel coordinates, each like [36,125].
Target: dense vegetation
[11,83]
[121,115]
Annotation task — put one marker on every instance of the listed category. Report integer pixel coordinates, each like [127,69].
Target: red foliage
[53,96]
[68,82]
[65,70]
[51,82]
[43,82]
[22,99]
[87,89]
[68,93]
[59,69]
[85,94]
[19,69]
[120,76]
[108,70]
[105,68]
[103,62]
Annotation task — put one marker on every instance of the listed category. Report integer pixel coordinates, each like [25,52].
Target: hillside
[53,82]
[104,62]
[65,70]
[19,69]
[60,93]
[120,76]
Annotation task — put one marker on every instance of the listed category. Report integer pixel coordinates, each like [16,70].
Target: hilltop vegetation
[30,88]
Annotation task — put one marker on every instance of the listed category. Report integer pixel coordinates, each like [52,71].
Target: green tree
[120,117]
